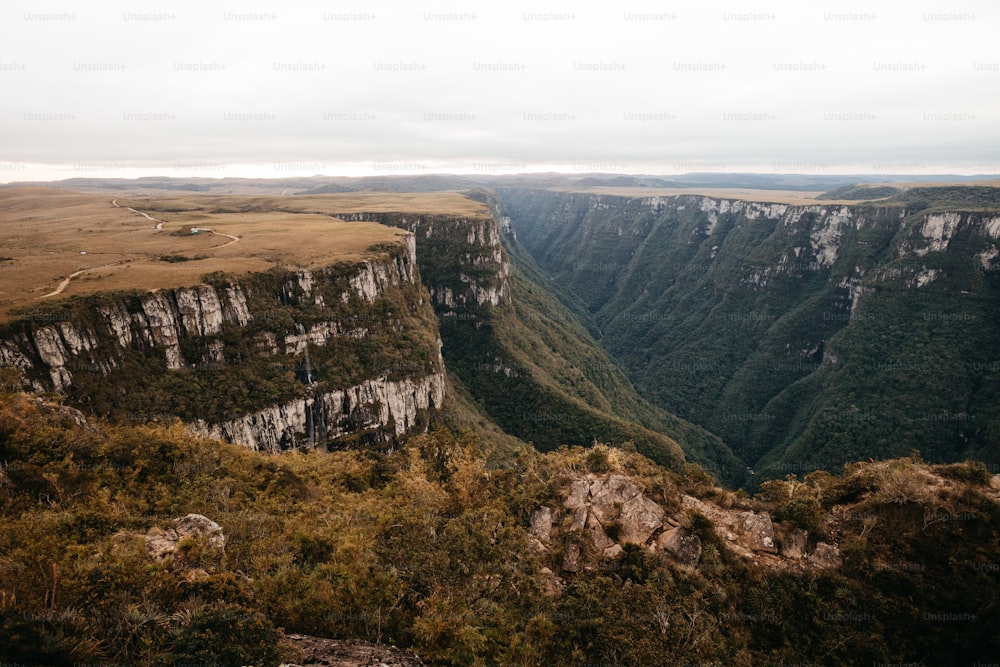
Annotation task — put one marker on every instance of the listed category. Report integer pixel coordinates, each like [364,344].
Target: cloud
[652,88]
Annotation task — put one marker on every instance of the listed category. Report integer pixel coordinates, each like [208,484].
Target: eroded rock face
[639,519]
[190,328]
[794,543]
[613,503]
[748,532]
[374,404]
[161,543]
[825,556]
[541,525]
[759,532]
[683,546]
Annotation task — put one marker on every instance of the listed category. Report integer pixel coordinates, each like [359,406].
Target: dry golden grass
[43,232]
[423,203]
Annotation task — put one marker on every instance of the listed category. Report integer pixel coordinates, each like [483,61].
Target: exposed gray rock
[748,531]
[579,492]
[161,543]
[684,547]
[200,310]
[597,535]
[614,551]
[759,532]
[794,543]
[541,525]
[608,496]
[825,556]
[373,404]
[640,517]
[571,557]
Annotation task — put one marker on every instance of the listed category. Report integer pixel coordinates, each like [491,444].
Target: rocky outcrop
[162,543]
[747,532]
[681,545]
[601,514]
[825,556]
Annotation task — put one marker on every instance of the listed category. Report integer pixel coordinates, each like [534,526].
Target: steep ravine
[806,336]
[523,357]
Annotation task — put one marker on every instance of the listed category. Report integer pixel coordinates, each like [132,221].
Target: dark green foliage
[531,366]
[860,192]
[805,512]
[797,364]
[226,634]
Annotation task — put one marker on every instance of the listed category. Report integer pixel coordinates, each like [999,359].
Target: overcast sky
[217,88]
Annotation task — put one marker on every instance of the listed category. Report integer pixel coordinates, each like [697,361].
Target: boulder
[614,551]
[541,525]
[580,518]
[825,556]
[196,524]
[597,534]
[609,496]
[161,543]
[640,517]
[759,532]
[536,545]
[579,491]
[794,543]
[571,557]
[684,547]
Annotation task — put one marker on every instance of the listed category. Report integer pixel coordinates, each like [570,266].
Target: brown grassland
[44,233]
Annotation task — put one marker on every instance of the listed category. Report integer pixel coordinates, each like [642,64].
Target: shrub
[806,513]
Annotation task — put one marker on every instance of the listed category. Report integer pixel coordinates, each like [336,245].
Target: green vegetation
[952,197]
[861,192]
[427,548]
[795,363]
[528,363]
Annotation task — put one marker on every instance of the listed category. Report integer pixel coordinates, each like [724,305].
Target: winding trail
[235,239]
[65,283]
[159,223]
[159,226]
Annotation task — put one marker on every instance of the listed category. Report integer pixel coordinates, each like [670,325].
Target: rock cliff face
[390,409]
[805,336]
[461,259]
[302,347]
